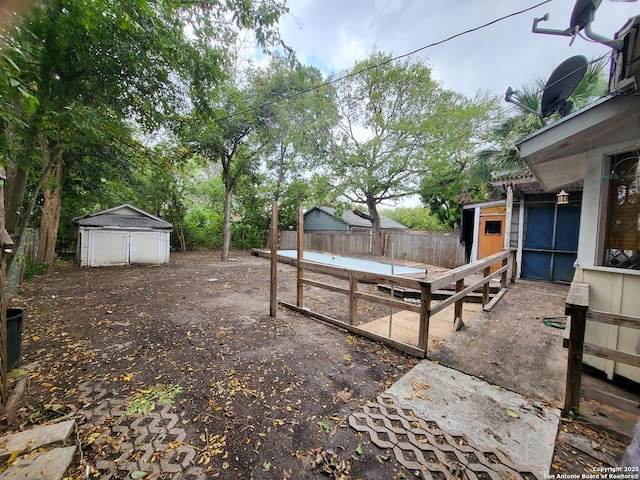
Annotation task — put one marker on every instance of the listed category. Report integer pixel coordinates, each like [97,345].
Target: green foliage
[203,228]
[145,400]
[398,126]
[417,218]
[299,130]
[81,80]
[32,270]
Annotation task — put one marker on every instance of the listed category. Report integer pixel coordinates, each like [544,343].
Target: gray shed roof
[354,220]
[123,216]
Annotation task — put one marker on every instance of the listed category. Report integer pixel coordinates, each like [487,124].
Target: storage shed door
[107,248]
[144,247]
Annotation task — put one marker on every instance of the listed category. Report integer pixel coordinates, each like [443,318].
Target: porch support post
[577,306]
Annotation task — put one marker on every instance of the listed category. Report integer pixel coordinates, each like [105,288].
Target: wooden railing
[577,308]
[461,277]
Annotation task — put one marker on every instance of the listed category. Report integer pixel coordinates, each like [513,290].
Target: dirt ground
[258,397]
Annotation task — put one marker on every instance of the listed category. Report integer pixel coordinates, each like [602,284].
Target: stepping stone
[50,465]
[28,440]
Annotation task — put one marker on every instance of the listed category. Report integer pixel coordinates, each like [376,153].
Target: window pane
[492,227]
[622,248]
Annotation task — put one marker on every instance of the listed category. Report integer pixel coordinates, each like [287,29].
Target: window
[492,227]
[622,244]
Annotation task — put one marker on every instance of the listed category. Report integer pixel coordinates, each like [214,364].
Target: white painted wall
[104,247]
[610,289]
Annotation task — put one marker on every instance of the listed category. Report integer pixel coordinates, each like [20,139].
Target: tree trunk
[226,232]
[50,219]
[16,187]
[16,184]
[183,243]
[375,227]
[48,163]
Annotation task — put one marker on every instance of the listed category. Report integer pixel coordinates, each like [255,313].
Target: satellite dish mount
[584,12]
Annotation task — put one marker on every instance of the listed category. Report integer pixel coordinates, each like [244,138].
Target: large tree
[223,129]
[100,62]
[396,120]
[299,129]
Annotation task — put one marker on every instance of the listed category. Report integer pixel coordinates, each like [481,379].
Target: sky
[333,34]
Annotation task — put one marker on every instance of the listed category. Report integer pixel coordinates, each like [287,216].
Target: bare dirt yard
[260,397]
[251,396]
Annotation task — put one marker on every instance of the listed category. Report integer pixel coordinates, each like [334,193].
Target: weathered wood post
[576,306]
[300,257]
[273,292]
[353,299]
[423,329]
[485,288]
[513,263]
[457,309]
[503,277]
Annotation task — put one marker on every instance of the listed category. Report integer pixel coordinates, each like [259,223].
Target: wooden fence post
[503,277]
[353,299]
[300,257]
[273,290]
[577,306]
[457,309]
[423,329]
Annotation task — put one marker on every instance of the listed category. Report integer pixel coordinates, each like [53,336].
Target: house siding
[317,220]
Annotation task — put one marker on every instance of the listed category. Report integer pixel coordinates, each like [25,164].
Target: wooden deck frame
[426,286]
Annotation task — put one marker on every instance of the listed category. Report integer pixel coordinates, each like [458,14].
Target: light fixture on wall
[563,198]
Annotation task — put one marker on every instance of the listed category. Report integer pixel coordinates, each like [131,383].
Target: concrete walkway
[508,346]
[489,416]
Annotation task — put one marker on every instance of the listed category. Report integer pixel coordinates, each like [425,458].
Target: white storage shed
[122,235]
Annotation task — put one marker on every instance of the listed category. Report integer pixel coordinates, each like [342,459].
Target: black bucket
[14,337]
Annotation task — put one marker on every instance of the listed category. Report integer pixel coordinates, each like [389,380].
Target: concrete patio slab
[488,415]
[51,465]
[29,440]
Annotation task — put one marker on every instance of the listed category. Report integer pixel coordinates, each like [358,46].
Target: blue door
[551,242]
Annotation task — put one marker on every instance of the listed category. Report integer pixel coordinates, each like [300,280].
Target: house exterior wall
[611,290]
[317,220]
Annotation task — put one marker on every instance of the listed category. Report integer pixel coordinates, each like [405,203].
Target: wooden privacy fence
[577,308]
[477,274]
[442,249]
[330,242]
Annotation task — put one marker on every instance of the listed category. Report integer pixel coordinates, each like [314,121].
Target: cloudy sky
[333,34]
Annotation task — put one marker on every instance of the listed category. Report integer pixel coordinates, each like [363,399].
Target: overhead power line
[385,62]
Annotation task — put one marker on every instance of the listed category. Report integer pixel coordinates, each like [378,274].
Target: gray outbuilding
[122,235]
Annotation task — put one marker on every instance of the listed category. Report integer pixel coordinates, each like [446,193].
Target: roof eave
[556,154]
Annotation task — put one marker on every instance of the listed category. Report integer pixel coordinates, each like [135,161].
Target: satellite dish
[584,12]
[562,82]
